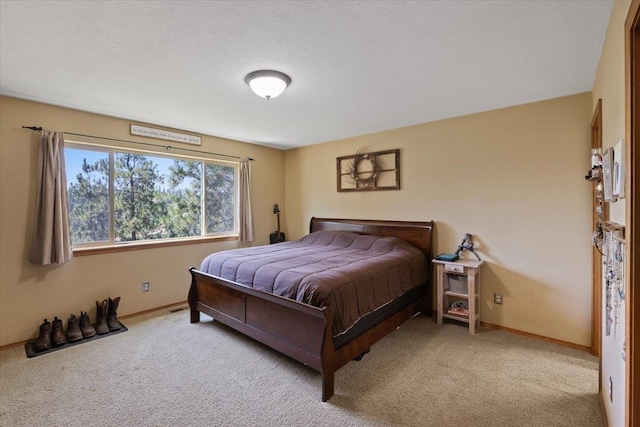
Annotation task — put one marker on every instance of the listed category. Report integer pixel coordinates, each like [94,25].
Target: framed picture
[366,171]
[618,170]
[607,177]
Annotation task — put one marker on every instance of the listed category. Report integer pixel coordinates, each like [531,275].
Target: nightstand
[459,281]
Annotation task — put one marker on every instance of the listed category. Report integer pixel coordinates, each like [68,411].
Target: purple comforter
[352,274]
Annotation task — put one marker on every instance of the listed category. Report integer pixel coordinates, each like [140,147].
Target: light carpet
[167,372]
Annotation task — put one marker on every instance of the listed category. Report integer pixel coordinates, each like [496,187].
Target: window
[117,197]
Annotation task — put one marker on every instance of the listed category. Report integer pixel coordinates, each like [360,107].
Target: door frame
[632,133]
[596,256]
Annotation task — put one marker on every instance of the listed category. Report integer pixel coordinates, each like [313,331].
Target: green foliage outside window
[89,202]
[153,197]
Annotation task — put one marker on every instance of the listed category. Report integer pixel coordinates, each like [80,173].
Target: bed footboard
[301,331]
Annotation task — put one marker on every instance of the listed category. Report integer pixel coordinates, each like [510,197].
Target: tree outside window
[150,197]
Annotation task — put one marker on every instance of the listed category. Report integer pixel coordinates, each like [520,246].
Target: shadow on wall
[528,304]
[491,281]
[451,238]
[38,272]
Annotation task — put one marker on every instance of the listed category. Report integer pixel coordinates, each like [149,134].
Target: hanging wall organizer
[614,269]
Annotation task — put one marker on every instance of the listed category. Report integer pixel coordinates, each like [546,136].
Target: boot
[57,333]
[112,319]
[44,339]
[86,327]
[73,329]
[101,317]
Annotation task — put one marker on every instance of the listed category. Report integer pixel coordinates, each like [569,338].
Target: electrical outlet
[497,298]
[145,286]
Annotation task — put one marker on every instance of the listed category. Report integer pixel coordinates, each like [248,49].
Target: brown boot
[44,339]
[57,333]
[86,327]
[101,317]
[112,319]
[73,329]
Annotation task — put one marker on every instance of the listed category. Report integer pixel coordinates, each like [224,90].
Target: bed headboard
[416,233]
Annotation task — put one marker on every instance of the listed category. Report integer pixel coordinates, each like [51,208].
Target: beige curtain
[246,214]
[51,234]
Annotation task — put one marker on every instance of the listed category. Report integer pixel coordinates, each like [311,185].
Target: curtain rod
[167,147]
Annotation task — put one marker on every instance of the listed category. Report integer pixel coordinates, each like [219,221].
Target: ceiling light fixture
[267,83]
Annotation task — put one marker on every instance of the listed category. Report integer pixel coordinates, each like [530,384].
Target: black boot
[44,339]
[112,316]
[101,317]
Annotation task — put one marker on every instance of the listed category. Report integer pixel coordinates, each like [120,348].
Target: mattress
[351,274]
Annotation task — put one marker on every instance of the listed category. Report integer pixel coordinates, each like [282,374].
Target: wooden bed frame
[299,330]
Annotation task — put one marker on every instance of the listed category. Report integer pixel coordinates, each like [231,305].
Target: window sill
[96,250]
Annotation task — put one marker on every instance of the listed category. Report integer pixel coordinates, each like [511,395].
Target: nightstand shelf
[457,295]
[459,318]
[459,280]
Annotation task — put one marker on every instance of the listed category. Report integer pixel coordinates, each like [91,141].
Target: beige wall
[29,293]
[512,177]
[610,87]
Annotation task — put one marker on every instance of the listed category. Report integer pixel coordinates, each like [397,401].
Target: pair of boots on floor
[52,334]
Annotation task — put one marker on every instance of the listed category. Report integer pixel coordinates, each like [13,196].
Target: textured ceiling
[356,67]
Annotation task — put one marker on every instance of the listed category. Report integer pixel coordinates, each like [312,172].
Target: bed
[305,322]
